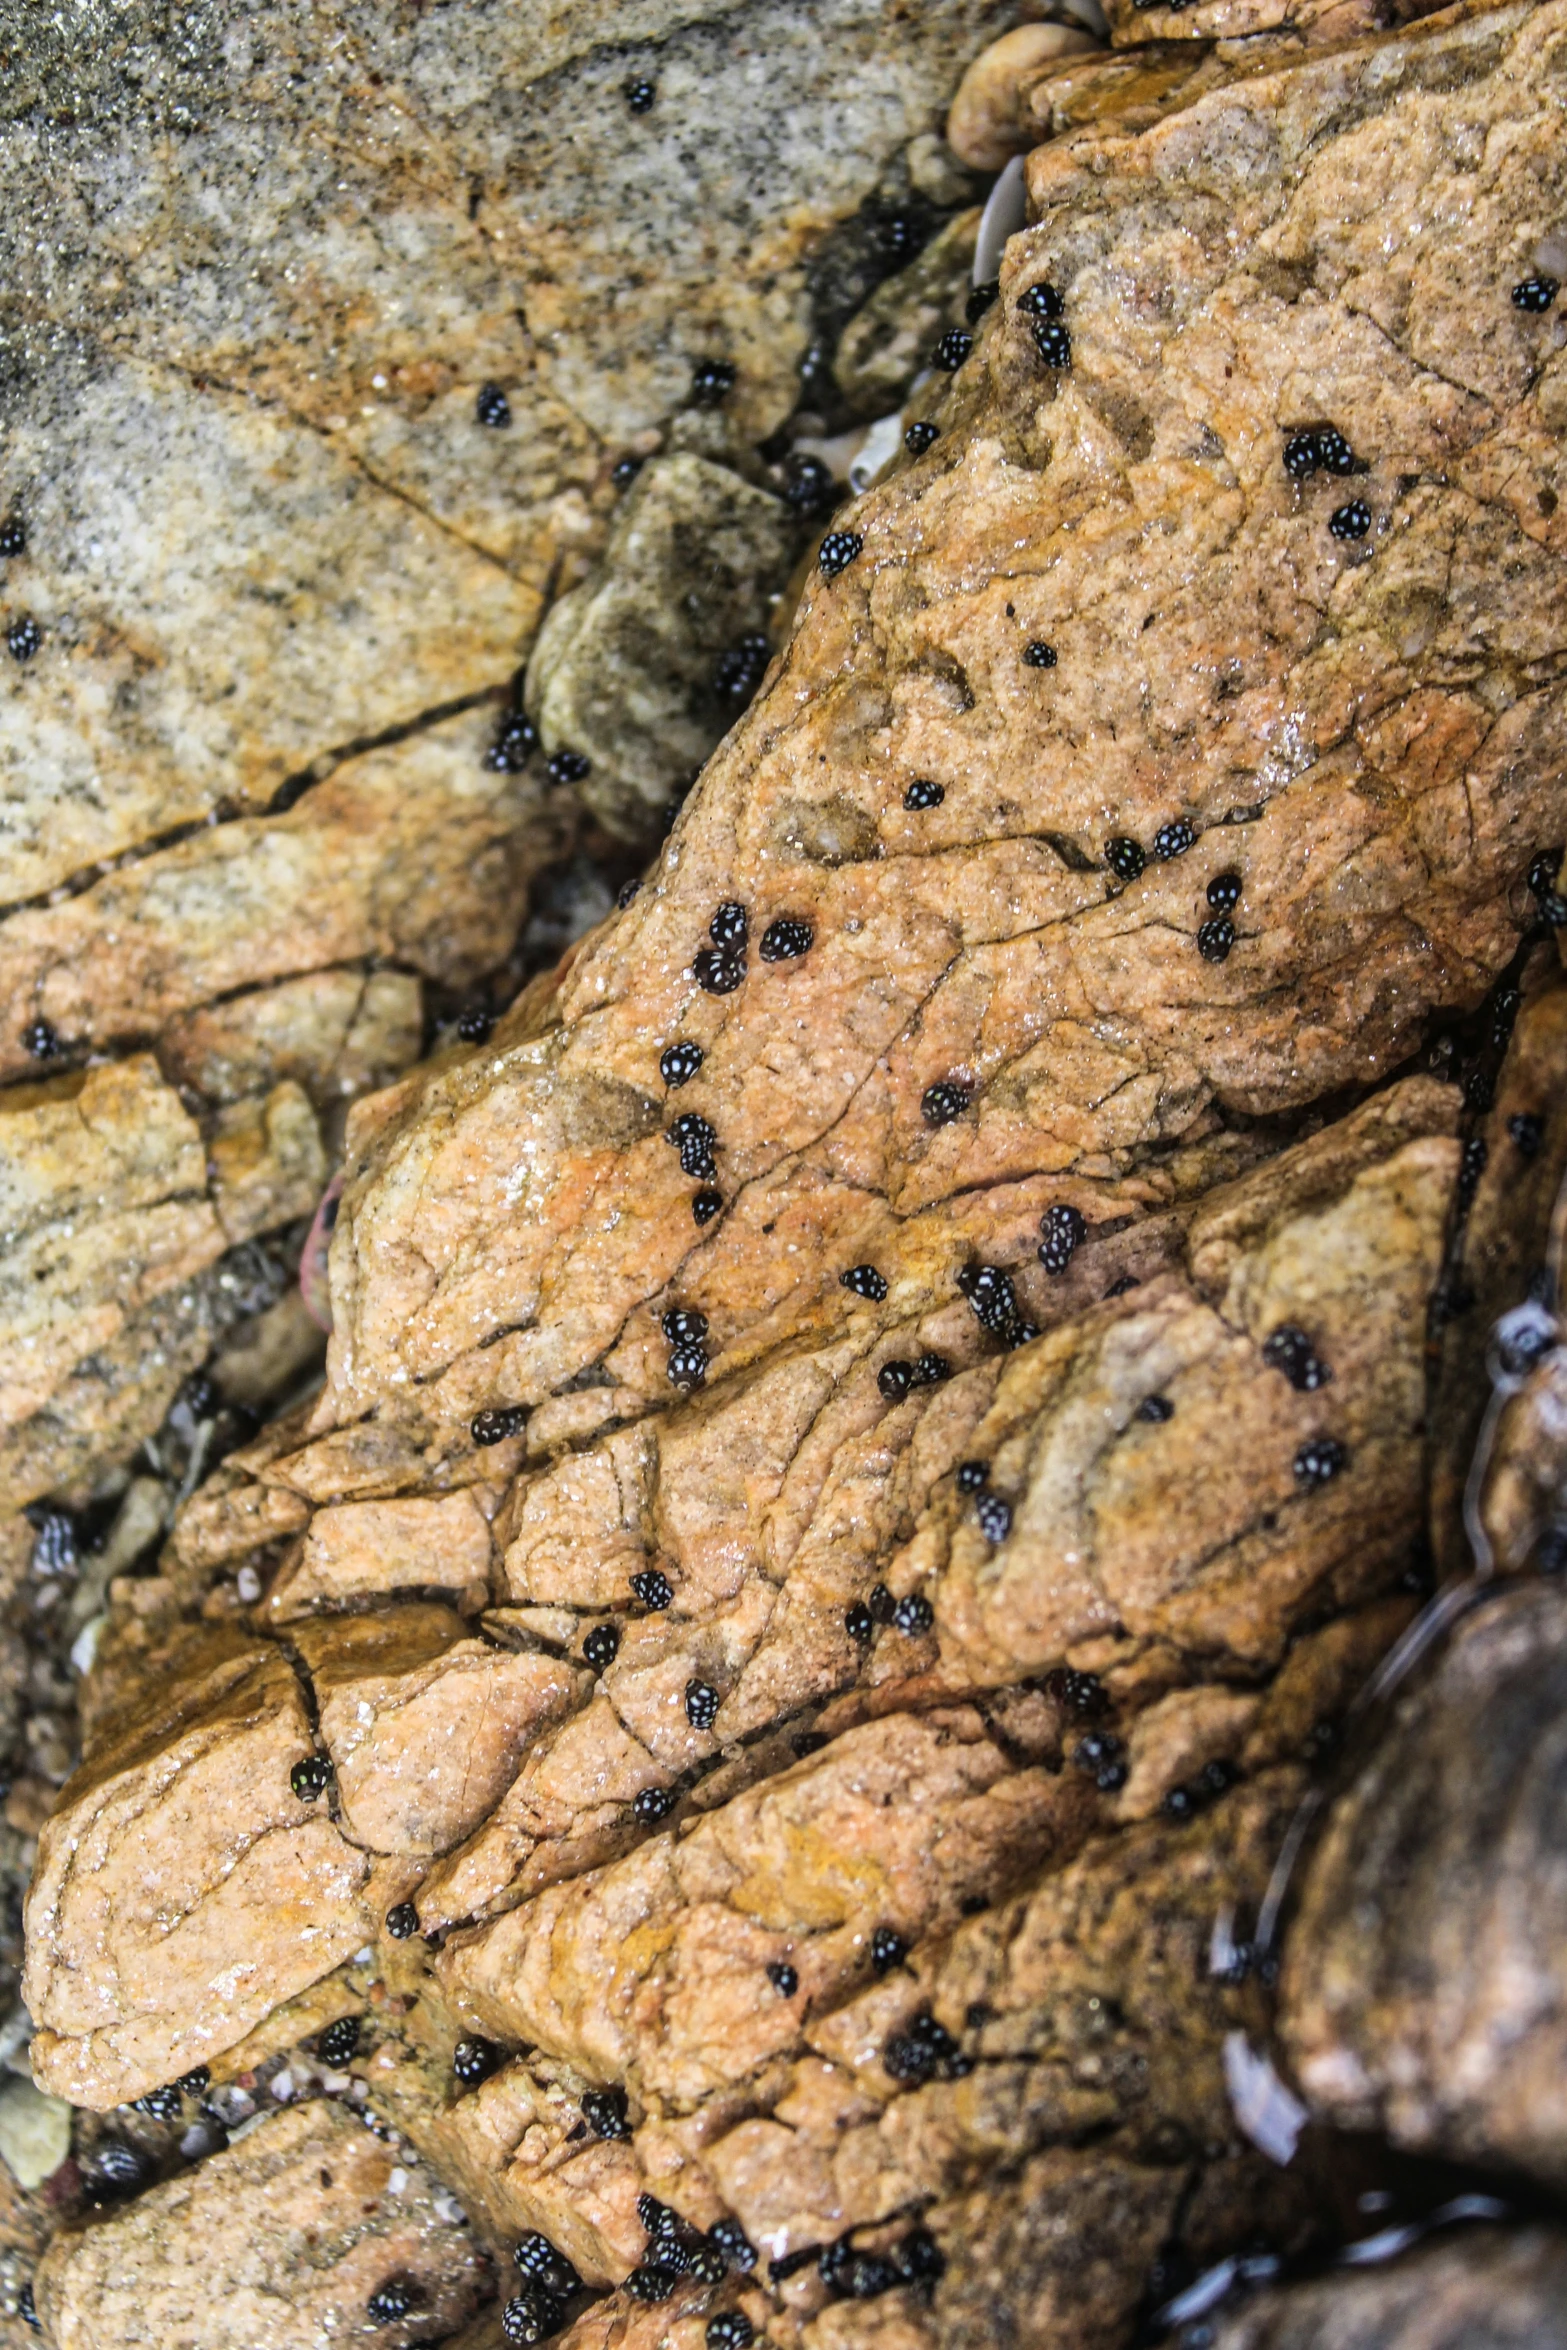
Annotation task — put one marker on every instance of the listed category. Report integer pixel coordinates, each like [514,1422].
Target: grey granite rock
[624,668]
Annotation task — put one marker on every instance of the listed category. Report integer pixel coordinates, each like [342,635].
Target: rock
[624,668]
[338,1033]
[1319,21]
[1517,1159]
[985,126]
[885,344]
[1482,2290]
[957,944]
[35,2133]
[279,2241]
[183,1889]
[1423,1988]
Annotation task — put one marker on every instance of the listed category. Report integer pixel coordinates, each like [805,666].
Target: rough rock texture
[1005,1599]
[1482,2291]
[625,662]
[257,274]
[1425,1991]
[278,2243]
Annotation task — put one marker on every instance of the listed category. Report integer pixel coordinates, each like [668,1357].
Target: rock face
[1483,2292]
[1425,1992]
[280,2242]
[876,1427]
[281,572]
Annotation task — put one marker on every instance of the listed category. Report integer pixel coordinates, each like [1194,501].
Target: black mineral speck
[859,1623]
[944,1101]
[492,407]
[972,1475]
[687,1367]
[1350,521]
[1053,343]
[837,551]
[1527,1133]
[402,1921]
[13,536]
[679,1063]
[40,1040]
[1215,939]
[980,299]
[924,793]
[654,1803]
[1124,857]
[888,1949]
[1535,293]
[653,1588]
[921,436]
[1288,1349]
[712,381]
[23,638]
[1041,301]
[920,2257]
[601,1647]
[339,2043]
[474,2060]
[312,1777]
[995,1517]
[1155,1408]
[1319,1461]
[474,1023]
[913,1614]
[604,2110]
[865,1281]
[740,669]
[785,939]
[1174,839]
[953,348]
[1038,655]
[784,1978]
[895,1380]
[531,2315]
[498,1423]
[701,1705]
[1224,892]
[543,2264]
[398,2297]
[625,470]
[1064,1233]
[640,94]
[706,1206]
[731,2329]
[567,766]
[1471,1166]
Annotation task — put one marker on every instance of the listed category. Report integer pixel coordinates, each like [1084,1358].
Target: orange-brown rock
[278,2242]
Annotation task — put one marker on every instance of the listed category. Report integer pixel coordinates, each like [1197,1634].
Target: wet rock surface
[1488,2290]
[879,1420]
[1425,1993]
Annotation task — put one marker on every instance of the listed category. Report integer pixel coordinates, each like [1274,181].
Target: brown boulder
[1424,1989]
[1480,2291]
[279,2242]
